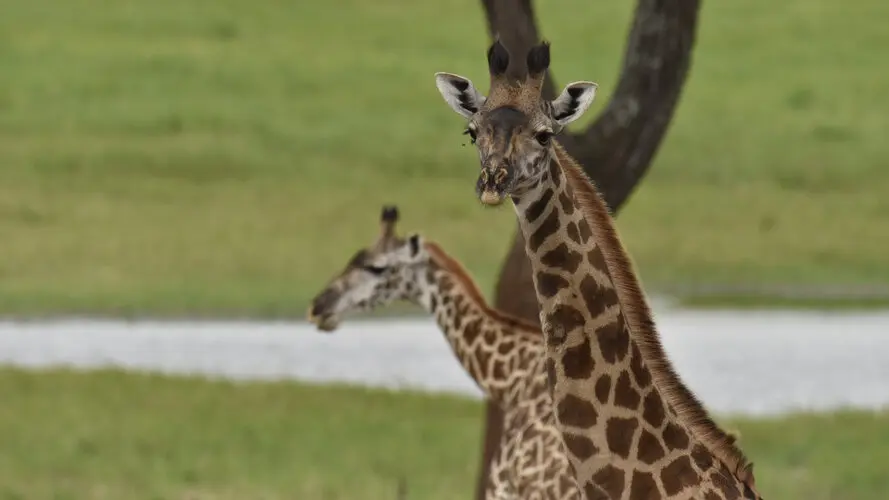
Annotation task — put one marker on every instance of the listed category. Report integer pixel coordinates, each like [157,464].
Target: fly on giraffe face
[512,127]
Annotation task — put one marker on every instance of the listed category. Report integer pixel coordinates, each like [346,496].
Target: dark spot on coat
[650,448]
[581,447]
[614,340]
[619,432]
[653,410]
[675,437]
[603,388]
[678,476]
[624,393]
[577,361]
[547,228]
[548,284]
[611,479]
[576,412]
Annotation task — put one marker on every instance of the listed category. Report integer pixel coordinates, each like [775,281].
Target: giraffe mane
[442,259]
[641,323]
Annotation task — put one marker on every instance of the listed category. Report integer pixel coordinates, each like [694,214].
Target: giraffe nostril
[484,176]
[500,176]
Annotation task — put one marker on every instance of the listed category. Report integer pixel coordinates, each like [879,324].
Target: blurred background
[179,178]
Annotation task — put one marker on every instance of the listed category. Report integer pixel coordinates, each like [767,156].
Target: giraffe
[629,424]
[502,354]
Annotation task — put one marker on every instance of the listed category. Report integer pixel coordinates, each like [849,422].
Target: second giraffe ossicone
[629,424]
[504,355]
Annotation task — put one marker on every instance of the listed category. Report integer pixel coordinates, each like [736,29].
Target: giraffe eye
[471,133]
[543,137]
[375,269]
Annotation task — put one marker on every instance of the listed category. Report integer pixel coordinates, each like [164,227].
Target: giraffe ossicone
[630,426]
[502,354]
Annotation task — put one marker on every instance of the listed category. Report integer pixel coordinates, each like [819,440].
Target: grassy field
[225,157]
[110,435]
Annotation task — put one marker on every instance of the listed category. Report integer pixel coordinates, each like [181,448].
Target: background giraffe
[629,424]
[504,355]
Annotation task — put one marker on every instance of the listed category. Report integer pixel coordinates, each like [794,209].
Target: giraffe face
[373,277]
[513,127]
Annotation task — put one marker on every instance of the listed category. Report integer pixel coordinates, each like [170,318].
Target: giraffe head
[513,125]
[374,276]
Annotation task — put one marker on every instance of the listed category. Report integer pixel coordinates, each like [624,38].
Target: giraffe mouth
[324,322]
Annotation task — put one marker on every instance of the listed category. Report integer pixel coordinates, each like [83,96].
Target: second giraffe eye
[375,269]
[471,133]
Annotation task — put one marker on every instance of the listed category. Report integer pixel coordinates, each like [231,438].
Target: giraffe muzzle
[493,185]
[319,313]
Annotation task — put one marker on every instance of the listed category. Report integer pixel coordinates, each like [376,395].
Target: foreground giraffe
[629,424]
[504,355]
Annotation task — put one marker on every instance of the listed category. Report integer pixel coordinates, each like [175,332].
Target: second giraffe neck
[498,351]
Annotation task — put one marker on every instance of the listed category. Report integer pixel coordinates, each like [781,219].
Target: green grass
[114,435]
[223,157]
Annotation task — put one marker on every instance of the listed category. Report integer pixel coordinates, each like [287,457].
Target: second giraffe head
[513,126]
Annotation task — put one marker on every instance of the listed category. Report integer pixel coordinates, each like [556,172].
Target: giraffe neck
[619,430]
[498,351]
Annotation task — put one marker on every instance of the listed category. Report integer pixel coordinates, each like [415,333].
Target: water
[737,362]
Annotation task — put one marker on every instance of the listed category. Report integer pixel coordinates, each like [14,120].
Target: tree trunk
[616,149]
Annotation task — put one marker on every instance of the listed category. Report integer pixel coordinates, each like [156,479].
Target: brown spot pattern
[644,487]
[546,229]
[571,229]
[624,393]
[675,437]
[597,260]
[640,371]
[597,297]
[650,448]
[537,208]
[555,173]
[578,361]
[562,257]
[610,479]
[585,232]
[576,412]
[619,433]
[472,330]
[593,492]
[505,346]
[702,457]
[564,317]
[579,446]
[603,388]
[653,410]
[567,204]
[726,483]
[549,284]
[614,340]
[678,476]
[711,496]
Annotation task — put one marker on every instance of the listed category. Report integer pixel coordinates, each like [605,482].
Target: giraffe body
[629,425]
[503,355]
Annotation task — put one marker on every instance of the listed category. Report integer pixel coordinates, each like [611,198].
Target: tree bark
[616,150]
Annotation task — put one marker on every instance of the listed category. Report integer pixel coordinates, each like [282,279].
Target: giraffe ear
[414,242]
[573,102]
[460,94]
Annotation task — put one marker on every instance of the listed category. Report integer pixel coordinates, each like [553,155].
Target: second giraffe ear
[460,94]
[414,242]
